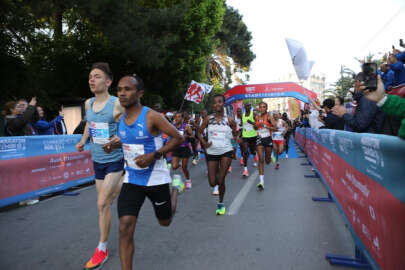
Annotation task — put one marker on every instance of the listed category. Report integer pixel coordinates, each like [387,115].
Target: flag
[196,91]
[299,58]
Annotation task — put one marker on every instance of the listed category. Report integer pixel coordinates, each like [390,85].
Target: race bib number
[99,132]
[278,136]
[218,139]
[264,132]
[131,151]
[248,127]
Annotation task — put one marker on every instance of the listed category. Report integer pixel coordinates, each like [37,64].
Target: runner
[264,141]
[287,133]
[278,136]
[103,113]
[183,151]
[221,129]
[146,175]
[249,136]
[238,121]
[194,124]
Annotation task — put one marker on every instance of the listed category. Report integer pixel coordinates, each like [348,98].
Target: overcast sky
[333,32]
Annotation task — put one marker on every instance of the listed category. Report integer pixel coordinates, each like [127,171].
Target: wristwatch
[157,155]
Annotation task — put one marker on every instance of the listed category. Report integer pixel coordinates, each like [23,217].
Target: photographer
[368,118]
[331,121]
[389,104]
[19,117]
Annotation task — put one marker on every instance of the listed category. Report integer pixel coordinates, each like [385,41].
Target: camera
[401,43]
[368,75]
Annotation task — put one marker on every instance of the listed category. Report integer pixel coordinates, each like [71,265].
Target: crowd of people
[27,119]
[138,152]
[363,114]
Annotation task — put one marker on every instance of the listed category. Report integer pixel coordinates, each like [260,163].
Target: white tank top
[278,135]
[220,135]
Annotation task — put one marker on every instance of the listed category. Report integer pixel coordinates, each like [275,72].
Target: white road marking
[240,198]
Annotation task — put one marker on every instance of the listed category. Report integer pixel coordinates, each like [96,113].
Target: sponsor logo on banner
[345,145]
[373,155]
[250,89]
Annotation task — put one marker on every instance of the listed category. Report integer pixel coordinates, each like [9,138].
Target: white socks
[102,246]
[261,177]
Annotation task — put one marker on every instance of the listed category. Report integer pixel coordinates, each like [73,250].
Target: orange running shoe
[98,259]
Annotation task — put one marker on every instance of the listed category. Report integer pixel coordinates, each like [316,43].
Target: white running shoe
[286,155]
[215,191]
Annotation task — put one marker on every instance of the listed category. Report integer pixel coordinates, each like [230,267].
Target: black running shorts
[132,197]
[266,142]
[218,157]
[182,152]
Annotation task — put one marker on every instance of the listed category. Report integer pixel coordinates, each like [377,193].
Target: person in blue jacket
[387,75]
[398,68]
[42,126]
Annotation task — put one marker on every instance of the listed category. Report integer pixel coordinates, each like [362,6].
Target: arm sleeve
[363,117]
[42,125]
[394,106]
[397,66]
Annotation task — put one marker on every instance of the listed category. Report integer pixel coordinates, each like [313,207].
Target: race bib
[278,135]
[218,139]
[264,132]
[248,127]
[131,151]
[99,132]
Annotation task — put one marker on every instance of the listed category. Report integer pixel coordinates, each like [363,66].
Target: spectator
[398,68]
[19,116]
[368,118]
[59,124]
[387,75]
[339,101]
[314,115]
[332,121]
[43,127]
[389,104]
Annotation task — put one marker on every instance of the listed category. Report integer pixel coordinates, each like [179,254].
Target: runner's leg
[127,247]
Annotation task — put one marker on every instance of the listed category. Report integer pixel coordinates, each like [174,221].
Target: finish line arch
[268,90]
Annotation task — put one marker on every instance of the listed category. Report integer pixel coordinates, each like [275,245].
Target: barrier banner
[365,173]
[31,166]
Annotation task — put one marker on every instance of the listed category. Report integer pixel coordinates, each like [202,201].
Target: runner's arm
[118,111]
[162,125]
[200,129]
[232,123]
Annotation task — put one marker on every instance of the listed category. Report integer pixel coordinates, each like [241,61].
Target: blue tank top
[136,140]
[102,126]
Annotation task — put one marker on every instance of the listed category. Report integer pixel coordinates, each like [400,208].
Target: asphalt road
[278,228]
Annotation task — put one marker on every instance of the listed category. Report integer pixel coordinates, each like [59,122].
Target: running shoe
[230,169]
[274,159]
[194,162]
[245,173]
[286,155]
[277,166]
[215,192]
[220,210]
[188,184]
[98,259]
[260,186]
[177,183]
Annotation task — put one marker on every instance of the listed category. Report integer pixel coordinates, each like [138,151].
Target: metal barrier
[31,166]
[365,177]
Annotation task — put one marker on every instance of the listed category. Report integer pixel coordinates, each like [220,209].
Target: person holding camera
[331,121]
[368,118]
[390,104]
[19,117]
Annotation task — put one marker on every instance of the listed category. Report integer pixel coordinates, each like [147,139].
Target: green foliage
[48,46]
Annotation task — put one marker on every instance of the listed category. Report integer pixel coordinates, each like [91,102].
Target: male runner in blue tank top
[140,135]
[103,113]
